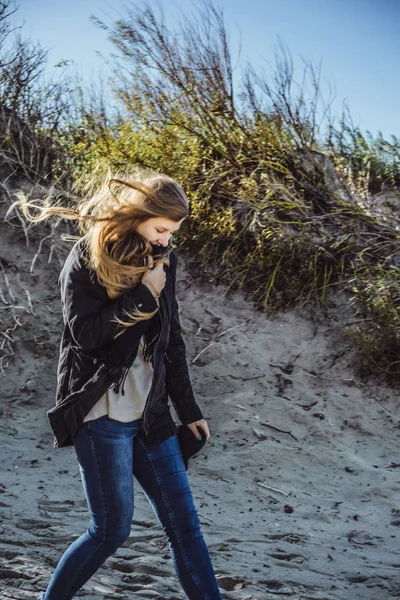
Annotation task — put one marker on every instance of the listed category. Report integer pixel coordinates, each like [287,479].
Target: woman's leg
[104,449]
[162,475]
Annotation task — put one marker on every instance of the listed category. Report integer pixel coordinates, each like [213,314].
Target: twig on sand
[7,336]
[215,338]
[39,250]
[247,378]
[6,342]
[350,380]
[17,213]
[267,487]
[280,430]
[7,284]
[230,329]
[200,353]
[51,253]
[29,301]
[17,322]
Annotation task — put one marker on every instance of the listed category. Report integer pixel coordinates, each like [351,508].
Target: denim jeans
[109,452]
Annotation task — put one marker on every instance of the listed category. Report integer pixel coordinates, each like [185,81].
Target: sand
[297,490]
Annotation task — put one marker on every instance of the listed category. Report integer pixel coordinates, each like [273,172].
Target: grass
[277,208]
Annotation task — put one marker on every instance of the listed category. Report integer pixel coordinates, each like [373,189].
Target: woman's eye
[160,231]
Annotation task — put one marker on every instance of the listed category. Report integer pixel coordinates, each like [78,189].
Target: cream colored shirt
[130,406]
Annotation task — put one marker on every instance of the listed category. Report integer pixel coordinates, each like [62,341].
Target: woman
[121,356]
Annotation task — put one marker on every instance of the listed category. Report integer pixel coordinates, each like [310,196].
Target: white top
[130,406]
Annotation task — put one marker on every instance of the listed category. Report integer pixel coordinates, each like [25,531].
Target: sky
[357,43]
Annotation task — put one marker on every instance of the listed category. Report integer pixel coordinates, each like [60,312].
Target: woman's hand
[203,425]
[155,279]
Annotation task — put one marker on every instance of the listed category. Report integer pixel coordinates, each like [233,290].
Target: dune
[297,489]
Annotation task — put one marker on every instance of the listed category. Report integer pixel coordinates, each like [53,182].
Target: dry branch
[267,487]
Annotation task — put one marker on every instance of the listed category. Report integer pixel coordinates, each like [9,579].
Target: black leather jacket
[91,360]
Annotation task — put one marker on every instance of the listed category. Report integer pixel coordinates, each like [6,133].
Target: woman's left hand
[203,425]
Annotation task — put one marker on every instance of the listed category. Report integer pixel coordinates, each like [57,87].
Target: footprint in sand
[291,538]
[136,568]
[9,574]
[33,525]
[57,506]
[273,586]
[283,556]
[231,583]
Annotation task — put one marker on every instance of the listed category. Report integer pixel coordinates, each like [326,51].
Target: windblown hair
[108,219]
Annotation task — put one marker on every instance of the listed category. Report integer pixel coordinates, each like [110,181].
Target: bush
[277,208]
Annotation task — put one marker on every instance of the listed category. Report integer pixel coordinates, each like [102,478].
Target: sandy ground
[298,488]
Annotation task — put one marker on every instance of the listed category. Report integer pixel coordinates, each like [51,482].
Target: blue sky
[357,41]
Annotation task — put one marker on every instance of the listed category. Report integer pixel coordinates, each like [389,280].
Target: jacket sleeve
[89,312]
[178,382]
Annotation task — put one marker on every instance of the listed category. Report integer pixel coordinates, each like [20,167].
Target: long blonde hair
[108,219]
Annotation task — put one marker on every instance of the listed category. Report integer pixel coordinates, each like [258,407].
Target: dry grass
[277,209]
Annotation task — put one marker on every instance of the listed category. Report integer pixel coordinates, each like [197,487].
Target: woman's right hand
[155,279]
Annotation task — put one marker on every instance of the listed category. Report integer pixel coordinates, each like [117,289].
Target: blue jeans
[109,452]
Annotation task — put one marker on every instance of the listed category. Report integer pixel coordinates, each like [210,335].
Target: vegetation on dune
[32,105]
[279,206]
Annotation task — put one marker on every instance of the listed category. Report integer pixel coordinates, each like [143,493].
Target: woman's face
[158,230]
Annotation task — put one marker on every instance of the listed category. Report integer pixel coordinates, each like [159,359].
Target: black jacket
[91,360]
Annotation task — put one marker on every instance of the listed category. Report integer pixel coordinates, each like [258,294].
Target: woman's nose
[164,241]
